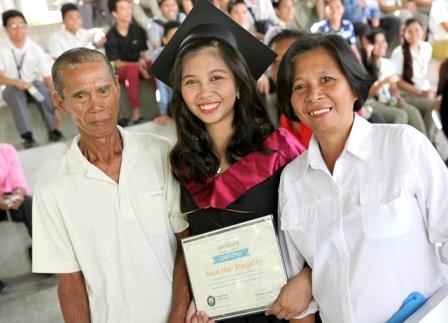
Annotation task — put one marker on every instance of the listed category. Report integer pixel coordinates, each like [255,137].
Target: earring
[237,95]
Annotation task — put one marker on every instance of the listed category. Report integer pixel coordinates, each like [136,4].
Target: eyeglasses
[17,26]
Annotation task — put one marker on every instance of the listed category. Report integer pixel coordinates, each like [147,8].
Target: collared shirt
[64,40]
[118,234]
[346,31]
[437,15]
[369,230]
[126,48]
[386,70]
[11,172]
[36,63]
[420,64]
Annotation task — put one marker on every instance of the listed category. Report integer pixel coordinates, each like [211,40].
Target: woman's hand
[294,297]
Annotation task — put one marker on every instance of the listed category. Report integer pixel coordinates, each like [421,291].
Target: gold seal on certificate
[237,270]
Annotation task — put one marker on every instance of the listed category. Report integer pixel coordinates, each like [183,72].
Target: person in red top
[13,190]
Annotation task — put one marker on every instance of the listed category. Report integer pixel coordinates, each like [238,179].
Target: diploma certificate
[237,270]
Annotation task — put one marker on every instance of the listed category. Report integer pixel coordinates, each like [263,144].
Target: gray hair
[74,57]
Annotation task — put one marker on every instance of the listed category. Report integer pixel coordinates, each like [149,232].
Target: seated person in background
[411,61]
[239,12]
[169,11]
[355,12]
[13,190]
[385,96]
[333,23]
[285,11]
[280,44]
[438,25]
[372,12]
[125,48]
[261,16]
[22,64]
[169,29]
[72,35]
[404,9]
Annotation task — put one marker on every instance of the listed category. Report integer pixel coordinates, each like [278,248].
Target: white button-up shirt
[368,231]
[420,64]
[63,40]
[31,59]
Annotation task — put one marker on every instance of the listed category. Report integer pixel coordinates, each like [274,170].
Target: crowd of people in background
[396,41]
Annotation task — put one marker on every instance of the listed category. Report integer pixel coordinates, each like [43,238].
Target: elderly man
[102,213]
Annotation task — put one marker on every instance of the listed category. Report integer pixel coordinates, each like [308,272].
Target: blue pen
[410,305]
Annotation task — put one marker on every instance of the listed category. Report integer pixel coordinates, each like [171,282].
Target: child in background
[169,29]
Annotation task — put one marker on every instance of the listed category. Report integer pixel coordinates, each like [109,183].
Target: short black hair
[74,57]
[233,3]
[356,75]
[170,25]
[66,7]
[112,5]
[8,14]
[284,34]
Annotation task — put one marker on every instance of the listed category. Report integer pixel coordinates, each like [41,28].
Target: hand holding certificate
[235,271]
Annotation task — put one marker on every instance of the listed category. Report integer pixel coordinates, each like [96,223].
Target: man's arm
[17,83]
[73,298]
[309,319]
[181,290]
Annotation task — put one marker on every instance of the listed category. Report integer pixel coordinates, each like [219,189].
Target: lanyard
[18,63]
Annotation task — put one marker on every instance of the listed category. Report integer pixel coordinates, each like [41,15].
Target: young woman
[388,100]
[228,156]
[366,202]
[411,61]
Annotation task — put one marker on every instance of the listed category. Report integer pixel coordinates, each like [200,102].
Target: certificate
[237,270]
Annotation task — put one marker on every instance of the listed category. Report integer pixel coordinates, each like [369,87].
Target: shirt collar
[77,163]
[358,143]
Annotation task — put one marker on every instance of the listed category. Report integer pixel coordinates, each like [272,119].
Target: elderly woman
[367,202]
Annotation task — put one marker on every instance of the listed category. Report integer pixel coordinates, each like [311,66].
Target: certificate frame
[237,270]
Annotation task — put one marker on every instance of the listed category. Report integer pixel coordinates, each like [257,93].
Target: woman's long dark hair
[193,157]
[408,71]
[369,61]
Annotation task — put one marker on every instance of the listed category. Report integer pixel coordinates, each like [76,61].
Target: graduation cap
[207,21]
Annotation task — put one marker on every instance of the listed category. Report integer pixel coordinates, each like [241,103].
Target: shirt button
[338,221]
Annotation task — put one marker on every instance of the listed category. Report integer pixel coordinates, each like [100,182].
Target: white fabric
[36,63]
[262,10]
[437,15]
[367,231]
[63,40]
[118,235]
[387,69]
[420,64]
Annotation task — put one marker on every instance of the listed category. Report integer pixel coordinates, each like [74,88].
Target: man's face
[169,9]
[123,12]
[280,48]
[72,21]
[90,95]
[16,29]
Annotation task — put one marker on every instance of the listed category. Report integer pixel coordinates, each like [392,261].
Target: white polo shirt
[367,231]
[63,40]
[420,64]
[36,63]
[118,235]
